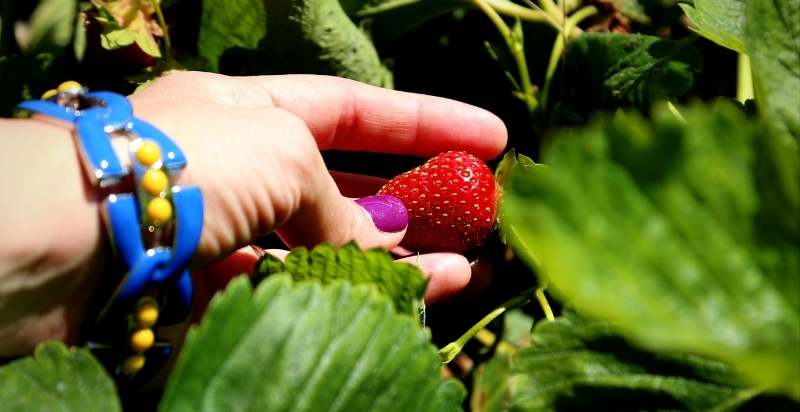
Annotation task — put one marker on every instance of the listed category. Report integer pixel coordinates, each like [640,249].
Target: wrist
[51,237]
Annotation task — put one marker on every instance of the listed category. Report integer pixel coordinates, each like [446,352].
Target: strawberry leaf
[574,364]
[307,347]
[610,70]
[225,24]
[721,21]
[684,234]
[773,39]
[55,378]
[304,36]
[403,283]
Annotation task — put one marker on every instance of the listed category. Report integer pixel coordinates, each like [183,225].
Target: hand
[253,145]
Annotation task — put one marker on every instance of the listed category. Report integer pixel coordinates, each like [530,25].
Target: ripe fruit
[451,202]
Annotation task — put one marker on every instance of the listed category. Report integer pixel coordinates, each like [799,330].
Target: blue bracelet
[154,230]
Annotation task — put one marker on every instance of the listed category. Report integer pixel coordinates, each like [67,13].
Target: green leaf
[609,70]
[684,234]
[773,40]
[55,378]
[721,21]
[584,365]
[393,18]
[51,26]
[229,24]
[317,36]
[634,10]
[492,388]
[403,283]
[306,347]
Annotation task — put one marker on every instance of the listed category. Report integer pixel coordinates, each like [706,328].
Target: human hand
[253,146]
[279,181]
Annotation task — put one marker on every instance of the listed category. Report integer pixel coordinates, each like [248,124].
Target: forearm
[50,235]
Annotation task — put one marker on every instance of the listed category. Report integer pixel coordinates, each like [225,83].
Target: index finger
[347,115]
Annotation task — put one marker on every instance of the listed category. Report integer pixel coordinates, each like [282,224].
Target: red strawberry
[451,202]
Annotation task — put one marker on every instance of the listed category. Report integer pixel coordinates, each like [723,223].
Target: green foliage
[51,26]
[491,390]
[721,21]
[57,379]
[230,24]
[584,365]
[403,283]
[307,347]
[126,23]
[609,70]
[773,41]
[302,36]
[684,234]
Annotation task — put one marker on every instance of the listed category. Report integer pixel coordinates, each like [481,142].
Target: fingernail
[388,213]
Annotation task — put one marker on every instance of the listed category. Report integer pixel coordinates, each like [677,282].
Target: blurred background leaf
[578,365]
[606,71]
[683,234]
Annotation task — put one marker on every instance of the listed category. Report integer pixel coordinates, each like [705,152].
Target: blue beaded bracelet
[154,230]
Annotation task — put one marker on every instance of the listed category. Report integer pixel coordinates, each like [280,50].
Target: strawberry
[451,202]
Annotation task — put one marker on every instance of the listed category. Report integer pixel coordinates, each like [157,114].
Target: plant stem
[549,7]
[487,338]
[514,42]
[744,79]
[510,9]
[163,24]
[540,296]
[675,112]
[558,47]
[452,349]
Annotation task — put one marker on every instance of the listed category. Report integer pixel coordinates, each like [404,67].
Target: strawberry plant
[642,229]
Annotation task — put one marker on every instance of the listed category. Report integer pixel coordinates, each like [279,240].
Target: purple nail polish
[387,212]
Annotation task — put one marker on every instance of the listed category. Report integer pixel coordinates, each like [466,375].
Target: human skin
[254,148]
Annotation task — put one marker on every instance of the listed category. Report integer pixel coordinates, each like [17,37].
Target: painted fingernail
[388,213]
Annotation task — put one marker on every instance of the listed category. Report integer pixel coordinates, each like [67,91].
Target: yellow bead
[48,94]
[146,315]
[148,153]
[69,86]
[142,340]
[154,182]
[133,364]
[159,210]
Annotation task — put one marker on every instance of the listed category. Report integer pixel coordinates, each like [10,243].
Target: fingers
[347,115]
[326,216]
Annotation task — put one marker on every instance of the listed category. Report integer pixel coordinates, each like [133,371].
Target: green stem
[558,47]
[550,7]
[675,112]
[163,24]
[487,9]
[452,349]
[510,9]
[744,79]
[515,45]
[540,296]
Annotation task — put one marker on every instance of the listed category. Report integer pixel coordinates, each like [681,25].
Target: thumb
[327,216]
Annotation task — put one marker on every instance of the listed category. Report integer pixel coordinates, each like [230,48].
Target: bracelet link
[155,230]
